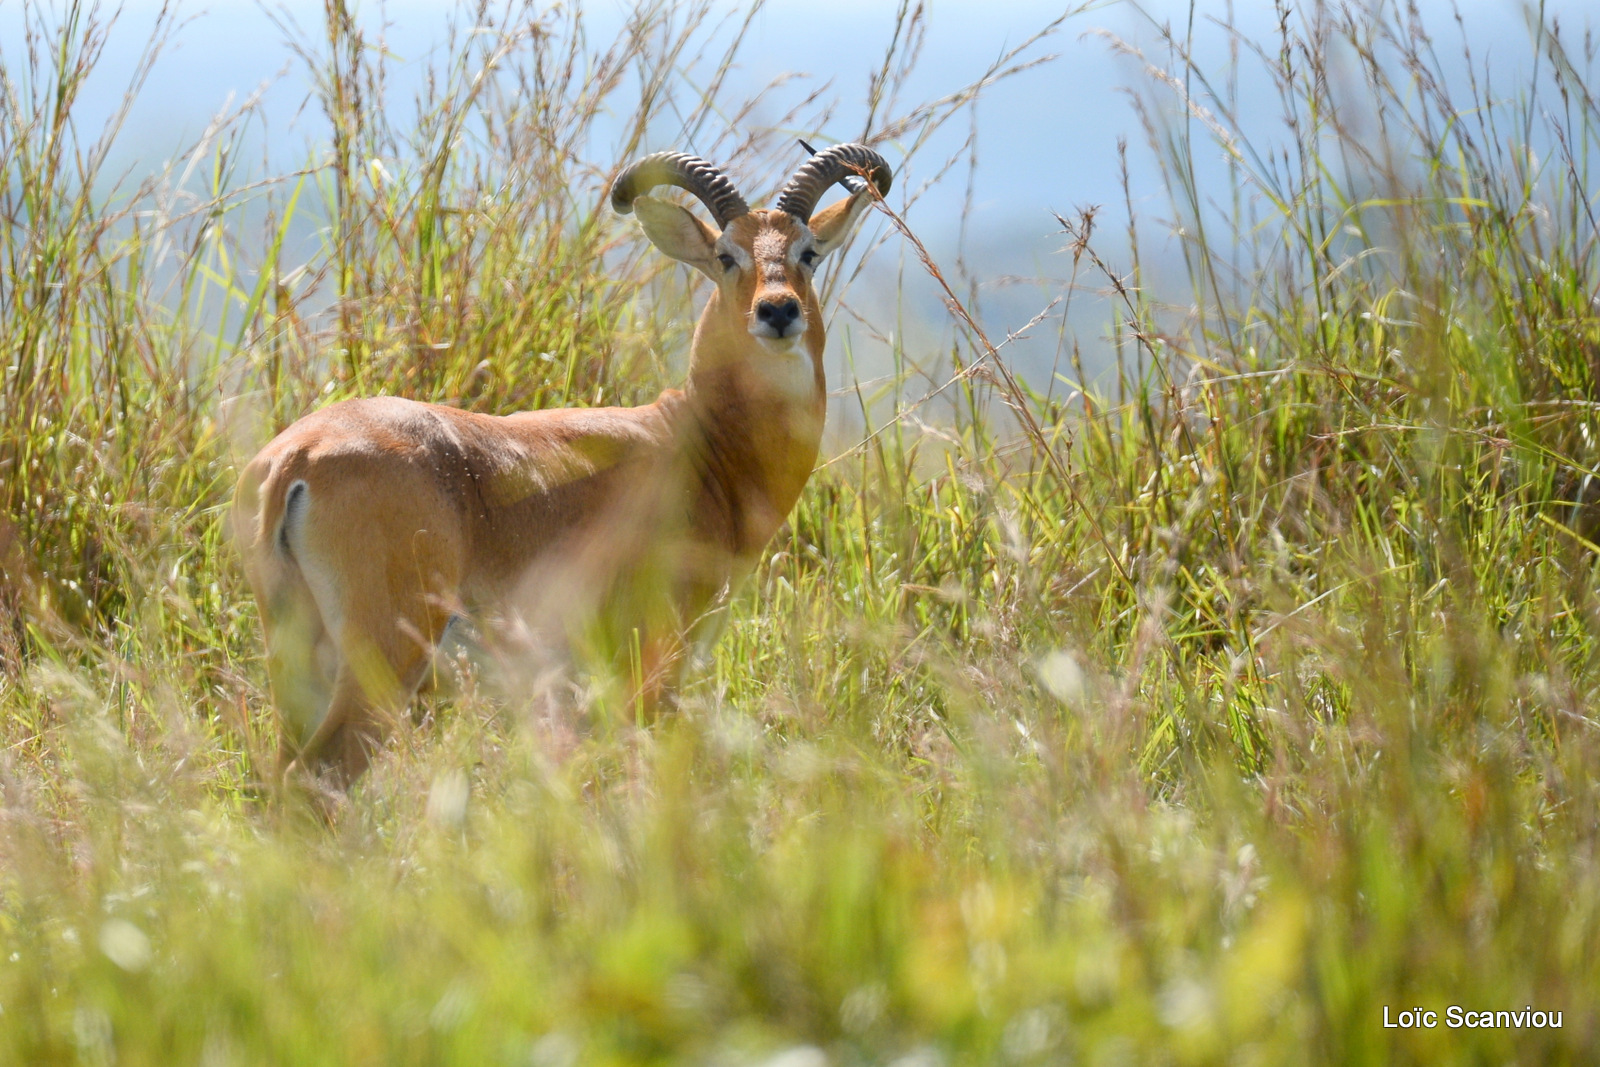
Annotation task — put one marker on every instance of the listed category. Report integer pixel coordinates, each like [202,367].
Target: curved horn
[837,164]
[702,179]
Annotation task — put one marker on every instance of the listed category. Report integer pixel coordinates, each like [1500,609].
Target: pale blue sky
[1047,138]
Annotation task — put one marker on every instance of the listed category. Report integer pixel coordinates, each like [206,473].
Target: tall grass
[1194,715]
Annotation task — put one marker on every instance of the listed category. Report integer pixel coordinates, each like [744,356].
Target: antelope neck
[752,450]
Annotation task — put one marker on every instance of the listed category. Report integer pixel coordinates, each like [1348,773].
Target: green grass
[1192,715]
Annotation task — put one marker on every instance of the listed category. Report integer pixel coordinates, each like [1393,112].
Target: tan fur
[628,523]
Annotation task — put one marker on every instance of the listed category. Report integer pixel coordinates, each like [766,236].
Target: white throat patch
[787,372]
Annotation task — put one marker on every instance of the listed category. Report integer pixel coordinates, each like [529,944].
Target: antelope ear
[679,233]
[832,226]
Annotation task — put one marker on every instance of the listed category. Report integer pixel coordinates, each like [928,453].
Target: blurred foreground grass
[1193,716]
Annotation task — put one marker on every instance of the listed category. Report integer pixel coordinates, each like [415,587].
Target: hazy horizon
[1046,140]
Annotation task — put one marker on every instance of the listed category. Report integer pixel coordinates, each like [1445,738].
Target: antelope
[367,528]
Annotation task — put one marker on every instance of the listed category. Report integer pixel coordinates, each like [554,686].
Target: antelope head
[763,314]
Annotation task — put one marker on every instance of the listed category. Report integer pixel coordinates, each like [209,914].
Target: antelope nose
[778,313]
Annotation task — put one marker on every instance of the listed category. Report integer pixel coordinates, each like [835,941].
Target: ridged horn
[702,179]
[837,164]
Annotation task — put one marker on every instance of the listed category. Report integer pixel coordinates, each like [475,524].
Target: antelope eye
[809,257]
[727,261]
